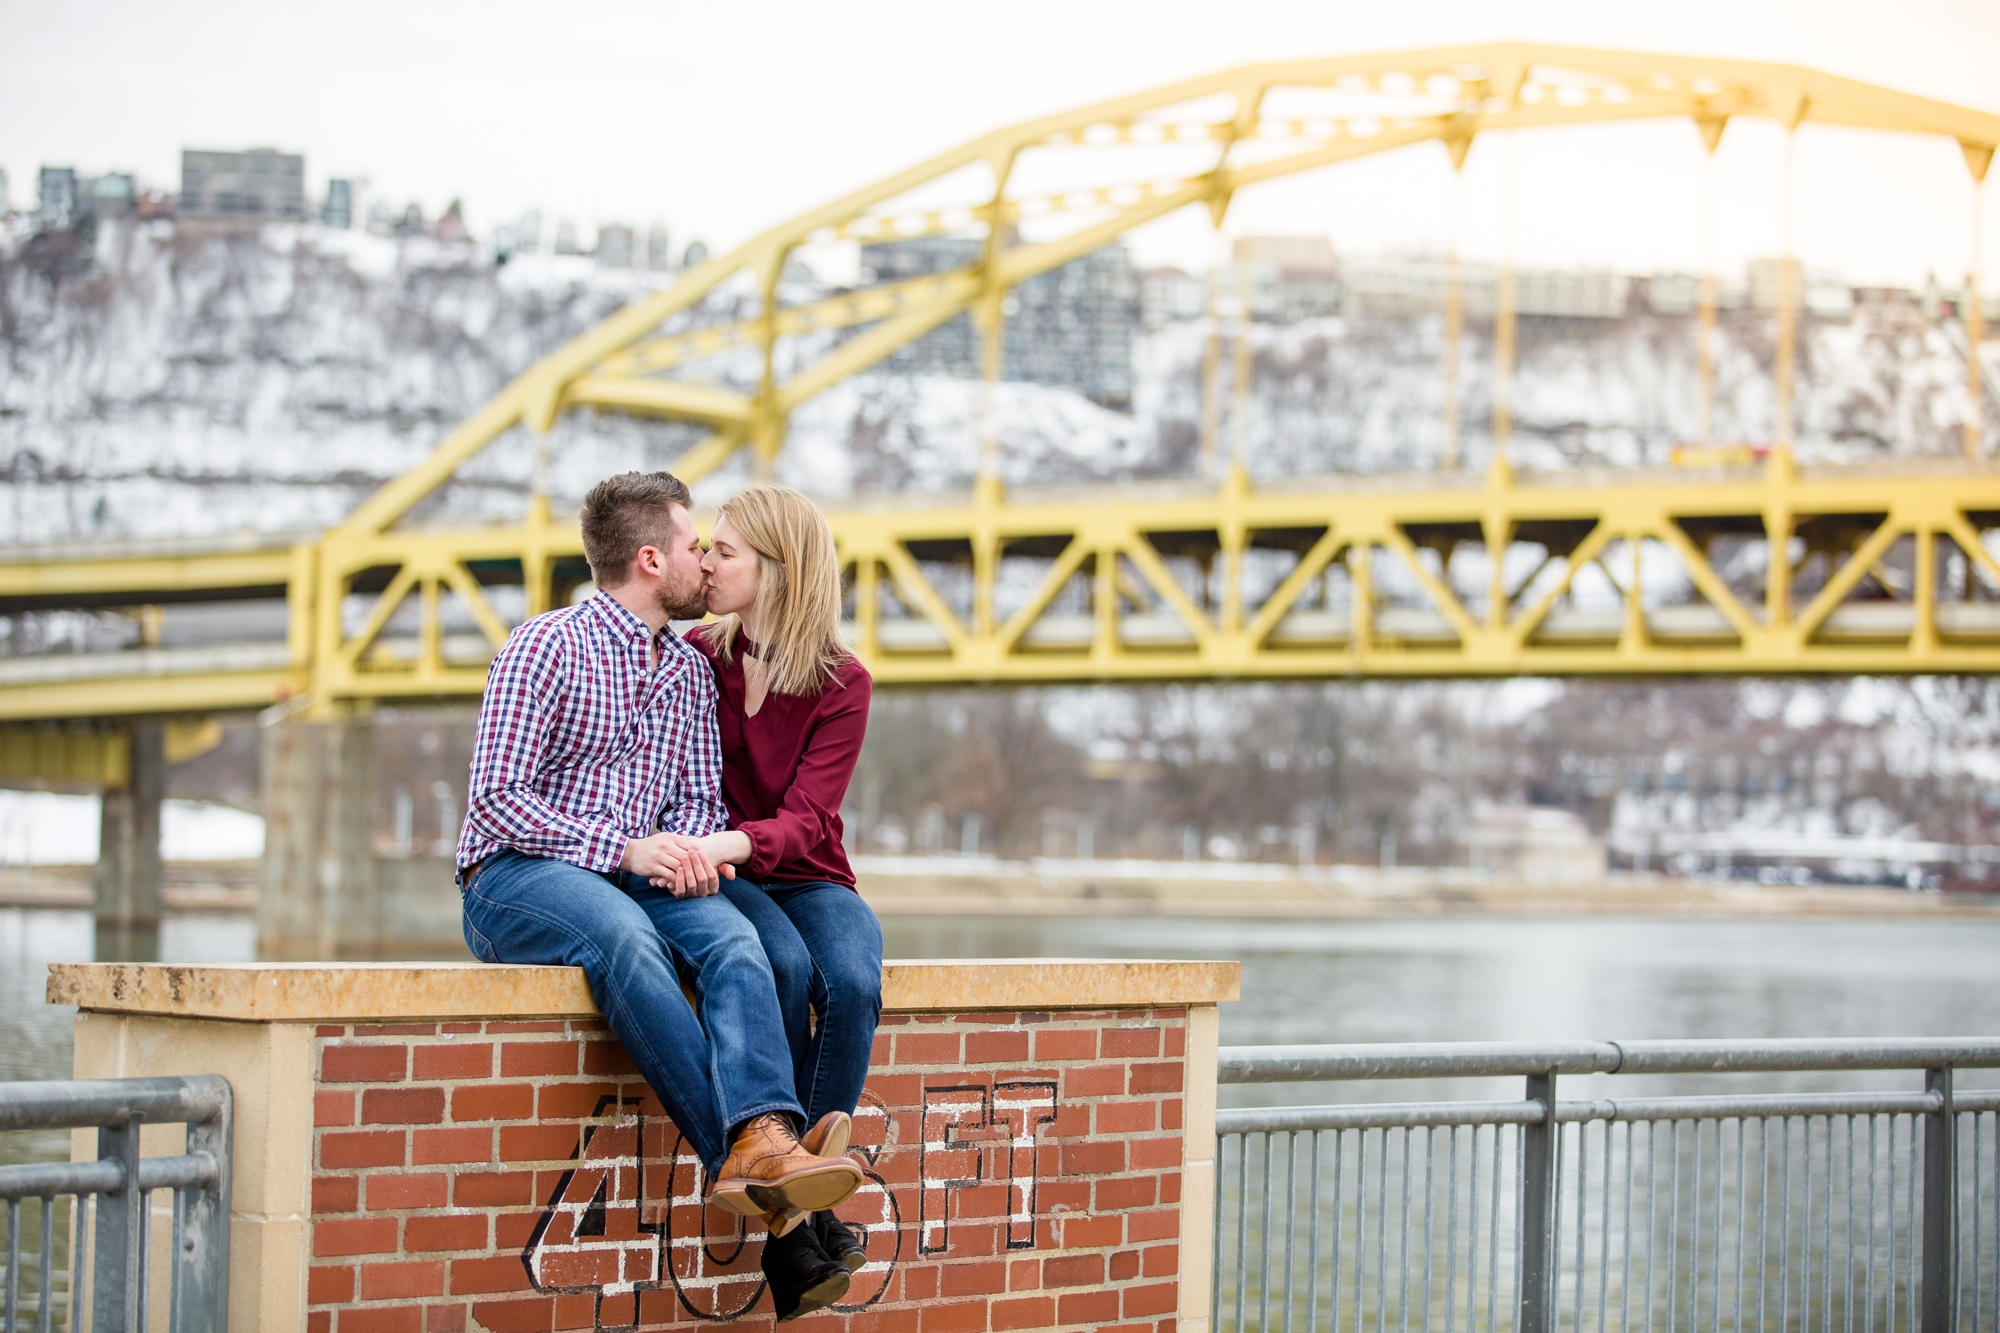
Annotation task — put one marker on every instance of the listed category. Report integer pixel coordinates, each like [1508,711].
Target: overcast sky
[721,119]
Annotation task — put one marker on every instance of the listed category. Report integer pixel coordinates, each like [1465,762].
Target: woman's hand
[725,850]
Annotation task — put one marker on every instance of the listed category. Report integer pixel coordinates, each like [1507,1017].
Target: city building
[109,197]
[614,245]
[55,205]
[1286,278]
[1071,327]
[566,242]
[259,185]
[659,248]
[1170,294]
[337,209]
[6,197]
[1418,286]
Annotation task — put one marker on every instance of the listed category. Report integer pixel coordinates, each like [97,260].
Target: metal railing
[1774,1210]
[108,1255]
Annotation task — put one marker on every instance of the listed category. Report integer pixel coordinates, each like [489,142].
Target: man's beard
[683,601]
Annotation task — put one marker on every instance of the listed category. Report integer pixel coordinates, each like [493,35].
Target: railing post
[1940,1204]
[1537,1206]
[201,1231]
[114,1287]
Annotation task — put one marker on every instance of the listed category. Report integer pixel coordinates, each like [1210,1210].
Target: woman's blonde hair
[798,589]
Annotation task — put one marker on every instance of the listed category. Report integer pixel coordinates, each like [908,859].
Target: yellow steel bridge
[1786,569]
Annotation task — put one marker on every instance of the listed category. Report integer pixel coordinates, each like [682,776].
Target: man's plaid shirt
[581,747]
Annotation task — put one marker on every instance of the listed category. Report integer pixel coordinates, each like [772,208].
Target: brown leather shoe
[768,1170]
[827,1138]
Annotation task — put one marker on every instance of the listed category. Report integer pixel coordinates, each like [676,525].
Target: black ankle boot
[841,1242]
[801,1277]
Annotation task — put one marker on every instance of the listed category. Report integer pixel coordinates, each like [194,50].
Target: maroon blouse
[785,771]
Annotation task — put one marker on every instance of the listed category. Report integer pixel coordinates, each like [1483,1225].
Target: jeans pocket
[481,947]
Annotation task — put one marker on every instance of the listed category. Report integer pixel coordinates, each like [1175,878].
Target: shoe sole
[819,1296]
[808,1191]
[837,1135]
[856,1260]
[785,1223]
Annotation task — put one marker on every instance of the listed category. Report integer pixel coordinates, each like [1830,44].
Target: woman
[792,710]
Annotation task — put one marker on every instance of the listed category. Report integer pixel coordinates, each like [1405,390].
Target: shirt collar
[620,620]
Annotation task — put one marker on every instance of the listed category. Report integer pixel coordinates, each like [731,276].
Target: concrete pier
[125,885]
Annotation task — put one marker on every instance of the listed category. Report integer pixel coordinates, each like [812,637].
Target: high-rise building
[659,248]
[1286,278]
[337,209]
[614,245]
[259,185]
[108,197]
[55,206]
[1071,327]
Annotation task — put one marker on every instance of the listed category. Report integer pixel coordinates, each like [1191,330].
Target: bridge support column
[322,891]
[126,883]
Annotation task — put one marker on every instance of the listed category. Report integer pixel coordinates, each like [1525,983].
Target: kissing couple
[663,811]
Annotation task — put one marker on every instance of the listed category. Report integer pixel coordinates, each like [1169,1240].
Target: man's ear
[649,562]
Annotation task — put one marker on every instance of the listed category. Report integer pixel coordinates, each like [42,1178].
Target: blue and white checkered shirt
[583,746]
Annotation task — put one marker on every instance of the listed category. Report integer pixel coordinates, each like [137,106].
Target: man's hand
[670,861]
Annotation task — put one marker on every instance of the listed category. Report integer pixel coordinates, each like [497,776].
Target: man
[597,765]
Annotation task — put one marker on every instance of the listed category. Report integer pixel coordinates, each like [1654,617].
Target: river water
[1457,979]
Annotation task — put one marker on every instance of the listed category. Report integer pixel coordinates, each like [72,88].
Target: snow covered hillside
[185,387]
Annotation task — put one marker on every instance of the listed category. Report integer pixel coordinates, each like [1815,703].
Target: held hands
[675,862]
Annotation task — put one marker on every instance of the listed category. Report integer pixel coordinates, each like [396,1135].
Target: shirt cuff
[604,848]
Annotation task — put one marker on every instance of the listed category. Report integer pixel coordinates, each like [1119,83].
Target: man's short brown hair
[625,512]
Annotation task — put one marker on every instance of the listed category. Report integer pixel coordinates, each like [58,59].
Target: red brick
[512,1230]
[491,1189]
[1094,1081]
[1124,1266]
[1153,1224]
[1163,1077]
[431,1147]
[493,1101]
[1163,1261]
[1024,1274]
[360,1235]
[880,1319]
[402,1106]
[1127,1117]
[319,1321]
[445,1319]
[329,1284]
[532,1025]
[1023,1312]
[429,1235]
[382,1319]
[920,1281]
[927,1048]
[390,1282]
[333,1108]
[401,1191]
[363,1064]
[576,1312]
[330,1030]
[1090,1159]
[878,1054]
[396,1030]
[1087,1233]
[1174,1043]
[1170,1113]
[538,1143]
[520,1059]
[958,1317]
[379,1147]
[996,1048]
[1087,1307]
[893,1021]
[1154,1298]
[1066,1044]
[336,1194]
[607,1057]
[504,1273]
[452,1060]
[1128,1043]
[1073,1270]
[1170,1187]
[571,1101]
[537,1314]
[588,1025]
[974,1279]
[1126,1192]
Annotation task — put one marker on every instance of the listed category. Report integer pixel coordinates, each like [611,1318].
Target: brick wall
[1024,1171]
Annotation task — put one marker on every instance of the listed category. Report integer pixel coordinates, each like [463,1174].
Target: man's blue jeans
[638,945]
[825,948]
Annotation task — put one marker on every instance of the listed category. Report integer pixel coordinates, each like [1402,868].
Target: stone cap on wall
[350,992]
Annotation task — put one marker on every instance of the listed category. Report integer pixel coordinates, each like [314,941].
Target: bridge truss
[1782,570]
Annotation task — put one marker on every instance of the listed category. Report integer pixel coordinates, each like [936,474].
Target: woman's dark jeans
[825,948]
